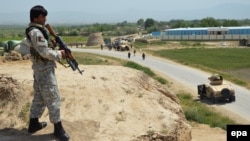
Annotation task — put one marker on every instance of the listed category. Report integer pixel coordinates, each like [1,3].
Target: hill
[106,103]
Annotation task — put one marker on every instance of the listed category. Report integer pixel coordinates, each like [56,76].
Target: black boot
[60,133]
[35,125]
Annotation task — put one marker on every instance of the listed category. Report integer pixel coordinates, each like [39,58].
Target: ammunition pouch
[36,55]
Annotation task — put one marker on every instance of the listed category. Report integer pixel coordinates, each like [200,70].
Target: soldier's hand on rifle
[63,54]
[53,42]
[65,51]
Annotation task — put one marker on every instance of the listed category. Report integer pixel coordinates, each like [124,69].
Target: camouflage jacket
[41,46]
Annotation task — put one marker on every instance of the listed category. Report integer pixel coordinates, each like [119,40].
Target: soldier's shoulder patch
[40,39]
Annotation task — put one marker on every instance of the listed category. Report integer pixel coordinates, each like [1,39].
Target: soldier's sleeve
[41,46]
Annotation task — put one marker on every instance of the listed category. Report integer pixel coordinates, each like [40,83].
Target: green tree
[244,22]
[149,23]
[130,30]
[152,28]
[122,24]
[74,32]
[179,23]
[209,22]
[61,30]
[140,22]
[230,23]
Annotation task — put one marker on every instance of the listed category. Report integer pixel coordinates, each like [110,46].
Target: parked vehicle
[121,45]
[216,89]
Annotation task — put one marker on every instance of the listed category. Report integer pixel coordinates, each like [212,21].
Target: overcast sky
[108,11]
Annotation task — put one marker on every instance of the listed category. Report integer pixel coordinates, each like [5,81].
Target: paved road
[188,76]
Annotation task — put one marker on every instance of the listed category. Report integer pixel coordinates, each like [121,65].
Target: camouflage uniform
[46,93]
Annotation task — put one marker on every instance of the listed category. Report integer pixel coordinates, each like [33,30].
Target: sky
[113,11]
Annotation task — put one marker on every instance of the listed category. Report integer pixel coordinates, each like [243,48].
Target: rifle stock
[51,30]
[69,57]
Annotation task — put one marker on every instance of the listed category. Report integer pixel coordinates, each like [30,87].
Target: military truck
[216,90]
[121,45]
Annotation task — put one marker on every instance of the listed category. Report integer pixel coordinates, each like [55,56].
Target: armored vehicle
[121,45]
[216,89]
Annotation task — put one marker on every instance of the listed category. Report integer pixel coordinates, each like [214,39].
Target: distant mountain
[227,11]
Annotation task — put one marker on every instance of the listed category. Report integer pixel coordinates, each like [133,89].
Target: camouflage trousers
[46,94]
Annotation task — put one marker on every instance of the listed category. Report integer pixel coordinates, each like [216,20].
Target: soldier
[143,56]
[101,47]
[134,52]
[46,93]
[129,54]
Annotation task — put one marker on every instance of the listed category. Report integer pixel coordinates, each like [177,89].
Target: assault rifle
[62,46]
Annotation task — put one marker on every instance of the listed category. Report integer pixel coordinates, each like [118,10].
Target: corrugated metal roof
[208,28]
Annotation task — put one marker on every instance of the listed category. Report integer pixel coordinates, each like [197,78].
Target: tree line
[152,25]
[149,25]
[124,28]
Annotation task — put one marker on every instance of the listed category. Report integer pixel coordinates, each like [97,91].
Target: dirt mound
[10,89]
[106,103]
[14,56]
[95,39]
[13,102]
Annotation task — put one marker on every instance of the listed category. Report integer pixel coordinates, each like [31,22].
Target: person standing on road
[46,93]
[101,47]
[129,54]
[134,52]
[143,56]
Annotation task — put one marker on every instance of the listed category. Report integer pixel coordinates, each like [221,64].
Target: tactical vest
[33,51]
